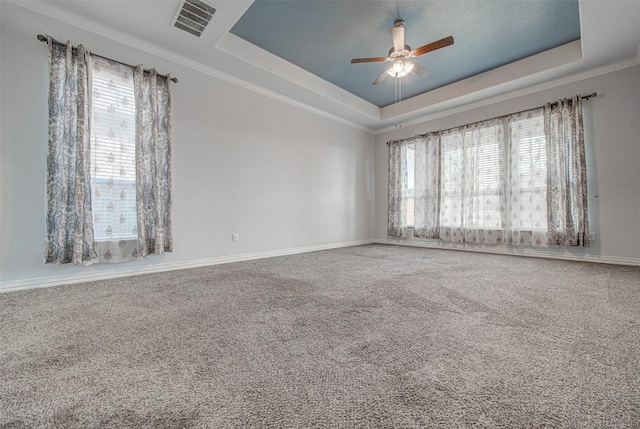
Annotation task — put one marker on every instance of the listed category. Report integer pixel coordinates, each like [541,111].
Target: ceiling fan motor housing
[405,53]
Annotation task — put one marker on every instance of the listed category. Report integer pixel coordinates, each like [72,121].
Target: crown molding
[268,62]
[576,77]
[374,121]
[107,32]
[503,78]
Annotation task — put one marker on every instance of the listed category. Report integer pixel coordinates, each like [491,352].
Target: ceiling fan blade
[369,60]
[433,46]
[397,32]
[420,70]
[382,76]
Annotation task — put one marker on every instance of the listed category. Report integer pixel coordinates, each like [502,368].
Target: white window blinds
[528,174]
[493,181]
[409,182]
[472,161]
[113,180]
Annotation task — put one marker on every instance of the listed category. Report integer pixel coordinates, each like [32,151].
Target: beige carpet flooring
[373,336]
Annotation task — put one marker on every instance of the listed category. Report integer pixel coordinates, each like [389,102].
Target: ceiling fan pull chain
[398,103]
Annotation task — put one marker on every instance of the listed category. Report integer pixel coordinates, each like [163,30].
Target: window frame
[116,91]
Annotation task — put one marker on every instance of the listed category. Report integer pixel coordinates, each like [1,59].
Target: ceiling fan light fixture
[400,69]
[408,67]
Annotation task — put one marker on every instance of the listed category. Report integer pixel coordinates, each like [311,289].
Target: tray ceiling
[298,51]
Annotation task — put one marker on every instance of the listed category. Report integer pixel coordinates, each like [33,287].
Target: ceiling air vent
[194,16]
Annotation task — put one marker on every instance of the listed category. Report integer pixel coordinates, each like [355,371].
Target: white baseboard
[135,271]
[534,252]
[433,244]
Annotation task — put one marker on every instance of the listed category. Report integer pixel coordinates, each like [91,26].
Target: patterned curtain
[69,228]
[153,162]
[427,187]
[518,179]
[566,173]
[397,219]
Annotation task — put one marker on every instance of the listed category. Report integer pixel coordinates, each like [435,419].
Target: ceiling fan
[400,55]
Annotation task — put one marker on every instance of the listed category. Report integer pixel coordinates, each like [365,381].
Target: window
[494,175]
[470,179]
[113,168]
[531,145]
[409,182]
[517,179]
[109,159]
[481,183]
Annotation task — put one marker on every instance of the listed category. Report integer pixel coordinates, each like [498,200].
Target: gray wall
[280,177]
[612,134]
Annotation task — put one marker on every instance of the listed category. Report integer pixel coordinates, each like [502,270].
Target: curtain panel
[568,222]
[153,162]
[397,219]
[473,171]
[69,228]
[525,181]
[113,161]
[494,175]
[113,170]
[427,186]
[519,179]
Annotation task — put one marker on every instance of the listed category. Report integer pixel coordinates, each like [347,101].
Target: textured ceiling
[326,34]
[322,36]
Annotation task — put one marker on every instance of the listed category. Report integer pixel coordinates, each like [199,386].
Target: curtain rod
[43,39]
[417,136]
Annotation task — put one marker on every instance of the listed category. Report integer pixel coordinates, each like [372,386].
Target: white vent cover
[194,16]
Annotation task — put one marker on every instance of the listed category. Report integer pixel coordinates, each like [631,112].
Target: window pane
[113,177]
[452,148]
[409,170]
[529,154]
[482,163]
[492,179]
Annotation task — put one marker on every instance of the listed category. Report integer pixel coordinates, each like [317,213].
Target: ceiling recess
[194,16]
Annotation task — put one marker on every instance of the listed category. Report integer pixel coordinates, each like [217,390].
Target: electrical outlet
[235,237]
[592,236]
